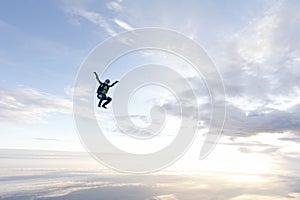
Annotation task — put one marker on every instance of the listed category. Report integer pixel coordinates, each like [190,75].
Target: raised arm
[97,77]
[113,84]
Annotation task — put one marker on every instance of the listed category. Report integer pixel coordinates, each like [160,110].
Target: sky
[253,44]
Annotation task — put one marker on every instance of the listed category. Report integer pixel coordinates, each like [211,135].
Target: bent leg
[101,97]
[108,100]
[100,102]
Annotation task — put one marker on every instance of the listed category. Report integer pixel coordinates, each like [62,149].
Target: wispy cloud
[114,5]
[110,21]
[27,105]
[123,24]
[80,9]
[165,197]
[261,60]
[258,64]
[95,18]
[67,175]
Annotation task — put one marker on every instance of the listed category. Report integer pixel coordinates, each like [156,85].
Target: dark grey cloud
[110,192]
[293,139]
[264,151]
[242,124]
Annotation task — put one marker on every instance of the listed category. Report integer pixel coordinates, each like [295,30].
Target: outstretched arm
[113,84]
[97,77]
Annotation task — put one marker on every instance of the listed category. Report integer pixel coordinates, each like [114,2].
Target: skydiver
[102,91]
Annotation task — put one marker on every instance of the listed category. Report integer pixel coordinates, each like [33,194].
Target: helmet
[107,81]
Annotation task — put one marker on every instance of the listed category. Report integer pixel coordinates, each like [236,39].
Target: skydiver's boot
[108,100]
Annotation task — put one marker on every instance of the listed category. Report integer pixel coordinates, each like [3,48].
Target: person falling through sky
[102,91]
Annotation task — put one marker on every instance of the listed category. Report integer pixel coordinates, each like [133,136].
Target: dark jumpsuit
[101,94]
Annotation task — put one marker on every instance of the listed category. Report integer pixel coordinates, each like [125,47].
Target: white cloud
[123,24]
[67,175]
[95,18]
[284,102]
[83,10]
[74,21]
[256,46]
[245,103]
[27,105]
[260,69]
[113,5]
[78,9]
[261,197]
[165,197]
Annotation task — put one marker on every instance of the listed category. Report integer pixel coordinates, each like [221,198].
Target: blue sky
[254,44]
[44,43]
[38,46]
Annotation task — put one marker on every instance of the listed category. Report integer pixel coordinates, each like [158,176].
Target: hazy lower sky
[254,44]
